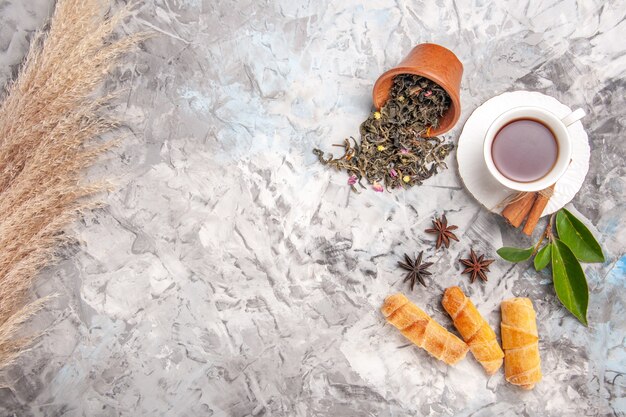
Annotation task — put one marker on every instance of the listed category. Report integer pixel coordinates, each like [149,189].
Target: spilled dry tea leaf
[396,149]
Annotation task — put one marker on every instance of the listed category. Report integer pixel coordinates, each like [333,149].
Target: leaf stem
[546,234]
[549,233]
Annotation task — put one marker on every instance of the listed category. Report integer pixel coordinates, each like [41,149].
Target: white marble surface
[232,275]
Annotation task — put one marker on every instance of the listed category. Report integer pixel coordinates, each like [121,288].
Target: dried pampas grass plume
[48,117]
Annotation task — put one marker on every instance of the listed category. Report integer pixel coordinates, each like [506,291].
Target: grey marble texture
[232,275]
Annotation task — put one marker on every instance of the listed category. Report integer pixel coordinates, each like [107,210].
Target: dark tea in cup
[528,148]
[524,150]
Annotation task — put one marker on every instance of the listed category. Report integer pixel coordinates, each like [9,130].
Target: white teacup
[558,127]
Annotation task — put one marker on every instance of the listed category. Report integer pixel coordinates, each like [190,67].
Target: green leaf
[569,280]
[515,254]
[575,234]
[542,259]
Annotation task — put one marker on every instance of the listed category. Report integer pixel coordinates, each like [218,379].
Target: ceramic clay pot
[435,63]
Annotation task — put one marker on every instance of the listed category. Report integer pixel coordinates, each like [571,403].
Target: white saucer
[472,167]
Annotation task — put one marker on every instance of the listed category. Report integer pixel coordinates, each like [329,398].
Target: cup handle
[573,117]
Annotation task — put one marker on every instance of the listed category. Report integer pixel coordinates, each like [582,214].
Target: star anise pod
[443,231]
[476,266]
[417,269]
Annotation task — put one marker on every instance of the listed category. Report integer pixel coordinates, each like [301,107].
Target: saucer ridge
[473,170]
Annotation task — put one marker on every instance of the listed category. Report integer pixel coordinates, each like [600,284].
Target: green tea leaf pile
[396,149]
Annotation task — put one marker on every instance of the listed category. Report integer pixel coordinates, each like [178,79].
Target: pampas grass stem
[48,119]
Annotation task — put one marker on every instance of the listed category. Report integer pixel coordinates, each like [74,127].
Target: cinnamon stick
[540,204]
[516,212]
